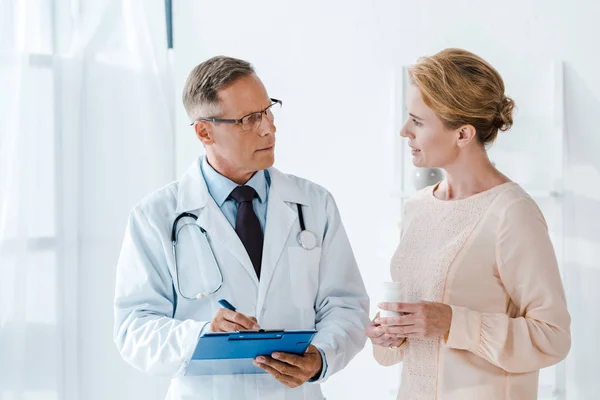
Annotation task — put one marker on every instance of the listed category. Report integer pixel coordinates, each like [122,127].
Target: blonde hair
[462,88]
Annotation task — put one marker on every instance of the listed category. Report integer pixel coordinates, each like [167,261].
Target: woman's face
[432,144]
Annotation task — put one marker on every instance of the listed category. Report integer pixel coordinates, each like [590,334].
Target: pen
[226,304]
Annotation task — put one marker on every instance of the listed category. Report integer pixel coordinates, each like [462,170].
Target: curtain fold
[86,131]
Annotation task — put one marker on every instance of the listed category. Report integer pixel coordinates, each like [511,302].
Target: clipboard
[233,353]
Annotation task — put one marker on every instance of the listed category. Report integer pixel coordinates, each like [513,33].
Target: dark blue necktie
[247,225]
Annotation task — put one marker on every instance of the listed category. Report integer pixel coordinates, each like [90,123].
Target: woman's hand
[378,336]
[419,320]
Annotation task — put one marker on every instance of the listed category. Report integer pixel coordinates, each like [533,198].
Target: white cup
[391,293]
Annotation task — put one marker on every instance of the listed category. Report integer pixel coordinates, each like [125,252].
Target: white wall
[332,63]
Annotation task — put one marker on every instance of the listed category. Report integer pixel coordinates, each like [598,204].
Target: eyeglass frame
[239,121]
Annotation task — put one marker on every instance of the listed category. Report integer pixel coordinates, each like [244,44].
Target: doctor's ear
[465,135]
[204,132]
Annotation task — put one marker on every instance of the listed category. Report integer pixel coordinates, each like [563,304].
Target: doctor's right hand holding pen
[227,319]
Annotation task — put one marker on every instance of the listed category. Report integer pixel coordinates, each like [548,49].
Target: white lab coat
[156,330]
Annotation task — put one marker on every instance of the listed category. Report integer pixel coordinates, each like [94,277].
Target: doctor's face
[238,153]
[432,144]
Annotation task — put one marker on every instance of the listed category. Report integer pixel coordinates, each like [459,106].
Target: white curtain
[86,131]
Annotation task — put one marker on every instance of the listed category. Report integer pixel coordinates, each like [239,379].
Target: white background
[332,63]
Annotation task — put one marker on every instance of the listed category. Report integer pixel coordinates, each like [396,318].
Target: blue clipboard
[233,353]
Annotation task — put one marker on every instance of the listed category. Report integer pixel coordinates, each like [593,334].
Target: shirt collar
[221,187]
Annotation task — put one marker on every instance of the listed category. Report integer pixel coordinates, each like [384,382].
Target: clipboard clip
[263,331]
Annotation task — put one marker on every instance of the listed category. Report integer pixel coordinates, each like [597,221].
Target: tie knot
[243,193]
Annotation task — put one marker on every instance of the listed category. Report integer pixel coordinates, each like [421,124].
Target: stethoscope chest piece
[307,239]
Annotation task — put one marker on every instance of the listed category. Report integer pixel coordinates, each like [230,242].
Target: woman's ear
[204,132]
[465,135]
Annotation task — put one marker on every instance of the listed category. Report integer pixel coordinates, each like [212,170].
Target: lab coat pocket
[304,275]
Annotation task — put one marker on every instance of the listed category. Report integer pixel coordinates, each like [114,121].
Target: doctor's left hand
[290,369]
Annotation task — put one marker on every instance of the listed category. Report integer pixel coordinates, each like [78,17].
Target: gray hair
[204,82]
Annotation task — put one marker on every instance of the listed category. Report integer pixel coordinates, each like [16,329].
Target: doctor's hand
[420,320]
[230,321]
[375,332]
[290,369]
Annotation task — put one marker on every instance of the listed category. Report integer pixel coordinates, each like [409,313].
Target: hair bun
[504,119]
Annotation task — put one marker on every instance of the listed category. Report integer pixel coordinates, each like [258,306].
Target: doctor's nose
[267,126]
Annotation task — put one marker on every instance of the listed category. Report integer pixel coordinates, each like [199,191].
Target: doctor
[272,244]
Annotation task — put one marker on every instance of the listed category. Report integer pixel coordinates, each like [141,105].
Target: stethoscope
[306,239]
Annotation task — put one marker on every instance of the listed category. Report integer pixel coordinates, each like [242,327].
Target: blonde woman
[484,305]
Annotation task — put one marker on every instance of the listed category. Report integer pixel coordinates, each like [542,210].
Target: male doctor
[244,247]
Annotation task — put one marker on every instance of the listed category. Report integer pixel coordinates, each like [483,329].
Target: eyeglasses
[251,121]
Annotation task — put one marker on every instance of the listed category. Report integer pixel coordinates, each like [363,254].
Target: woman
[484,308]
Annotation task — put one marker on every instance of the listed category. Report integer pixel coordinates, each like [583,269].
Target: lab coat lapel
[193,196]
[219,230]
[281,218]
